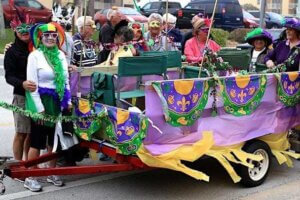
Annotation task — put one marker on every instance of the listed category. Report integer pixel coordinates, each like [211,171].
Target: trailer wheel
[257,175]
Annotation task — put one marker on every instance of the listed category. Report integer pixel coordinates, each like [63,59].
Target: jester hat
[259,33]
[37,30]
[292,23]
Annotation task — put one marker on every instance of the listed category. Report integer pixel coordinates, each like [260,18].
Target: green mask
[23,28]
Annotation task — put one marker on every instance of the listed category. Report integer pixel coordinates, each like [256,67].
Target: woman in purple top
[287,48]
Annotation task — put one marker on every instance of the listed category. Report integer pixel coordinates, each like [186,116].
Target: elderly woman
[48,68]
[157,41]
[173,33]
[287,48]
[260,40]
[194,47]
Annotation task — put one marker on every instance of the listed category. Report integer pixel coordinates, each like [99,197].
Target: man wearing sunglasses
[15,65]
[157,41]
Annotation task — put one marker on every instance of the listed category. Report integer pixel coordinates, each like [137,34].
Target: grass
[9,37]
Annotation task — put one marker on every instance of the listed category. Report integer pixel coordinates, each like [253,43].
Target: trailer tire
[256,176]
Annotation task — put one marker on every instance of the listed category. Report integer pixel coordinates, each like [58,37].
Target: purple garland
[47,91]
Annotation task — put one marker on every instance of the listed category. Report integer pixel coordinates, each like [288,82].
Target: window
[174,5]
[155,5]
[34,4]
[20,3]
[147,6]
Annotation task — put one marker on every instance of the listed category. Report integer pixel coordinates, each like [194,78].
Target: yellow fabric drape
[172,160]
[233,154]
[279,145]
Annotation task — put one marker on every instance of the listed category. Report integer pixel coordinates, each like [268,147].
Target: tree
[249,6]
[2,23]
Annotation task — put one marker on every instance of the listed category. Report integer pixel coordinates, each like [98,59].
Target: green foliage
[220,36]
[239,35]
[9,37]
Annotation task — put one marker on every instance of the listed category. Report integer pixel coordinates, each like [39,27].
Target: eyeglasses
[154,24]
[136,26]
[53,35]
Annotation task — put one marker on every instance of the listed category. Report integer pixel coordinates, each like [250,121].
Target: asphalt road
[282,183]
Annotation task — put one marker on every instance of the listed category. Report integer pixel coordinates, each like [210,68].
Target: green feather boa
[52,57]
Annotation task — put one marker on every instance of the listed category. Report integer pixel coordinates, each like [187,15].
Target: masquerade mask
[154,24]
[23,28]
[136,26]
[48,35]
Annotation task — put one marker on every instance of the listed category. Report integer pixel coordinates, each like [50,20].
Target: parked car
[36,10]
[160,7]
[183,3]
[273,20]
[277,35]
[249,20]
[131,15]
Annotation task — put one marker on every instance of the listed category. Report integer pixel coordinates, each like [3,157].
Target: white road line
[77,183]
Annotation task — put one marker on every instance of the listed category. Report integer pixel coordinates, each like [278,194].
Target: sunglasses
[53,35]
[154,24]
[204,29]
[136,26]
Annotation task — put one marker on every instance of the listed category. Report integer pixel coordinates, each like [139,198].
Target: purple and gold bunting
[242,94]
[183,100]
[288,88]
[125,129]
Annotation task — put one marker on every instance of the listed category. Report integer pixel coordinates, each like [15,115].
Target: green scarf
[52,57]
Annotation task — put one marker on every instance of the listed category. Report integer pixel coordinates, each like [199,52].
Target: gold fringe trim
[234,154]
[279,144]
[172,160]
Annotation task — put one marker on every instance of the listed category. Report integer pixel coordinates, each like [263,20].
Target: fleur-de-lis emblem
[242,95]
[183,103]
[232,93]
[129,130]
[291,88]
[195,98]
[171,99]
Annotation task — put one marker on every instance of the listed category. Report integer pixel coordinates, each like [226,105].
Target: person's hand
[270,64]
[7,46]
[72,68]
[29,85]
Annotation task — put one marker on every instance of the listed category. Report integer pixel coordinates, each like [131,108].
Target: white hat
[171,18]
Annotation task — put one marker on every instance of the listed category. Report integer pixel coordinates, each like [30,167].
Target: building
[283,7]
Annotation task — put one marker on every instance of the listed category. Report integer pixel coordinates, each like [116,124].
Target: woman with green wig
[48,68]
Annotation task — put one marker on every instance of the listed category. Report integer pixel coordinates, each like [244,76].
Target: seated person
[172,32]
[156,40]
[139,42]
[194,47]
[287,48]
[260,40]
[121,47]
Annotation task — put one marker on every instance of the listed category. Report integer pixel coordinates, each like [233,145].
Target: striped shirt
[89,56]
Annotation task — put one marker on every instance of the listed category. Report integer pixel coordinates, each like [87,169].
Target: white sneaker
[32,184]
[55,180]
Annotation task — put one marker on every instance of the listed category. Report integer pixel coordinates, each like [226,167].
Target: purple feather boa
[53,93]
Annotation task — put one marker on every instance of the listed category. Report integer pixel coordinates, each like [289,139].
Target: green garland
[48,118]
[52,57]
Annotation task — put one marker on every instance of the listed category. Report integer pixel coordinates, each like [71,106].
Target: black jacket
[106,35]
[15,65]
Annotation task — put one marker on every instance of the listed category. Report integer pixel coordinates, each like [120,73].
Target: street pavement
[282,183]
